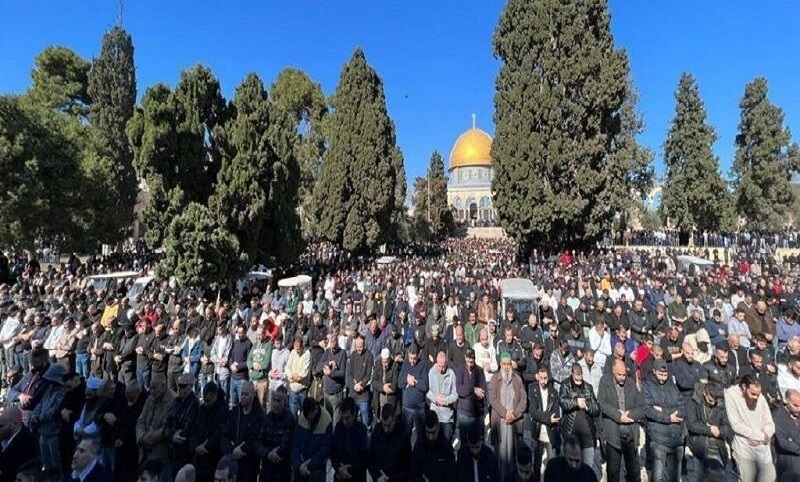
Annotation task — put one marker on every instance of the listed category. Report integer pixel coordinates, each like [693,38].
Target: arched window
[486,203]
[457,203]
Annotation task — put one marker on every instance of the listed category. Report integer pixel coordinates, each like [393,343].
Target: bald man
[787,437]
[16,444]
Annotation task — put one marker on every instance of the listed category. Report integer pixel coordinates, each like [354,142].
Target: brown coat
[499,411]
[755,322]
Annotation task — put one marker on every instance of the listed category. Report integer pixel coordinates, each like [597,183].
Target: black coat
[668,399]
[698,418]
[433,460]
[541,411]
[488,466]
[390,453]
[609,406]
[21,449]
[787,444]
[276,433]
[569,396]
[207,429]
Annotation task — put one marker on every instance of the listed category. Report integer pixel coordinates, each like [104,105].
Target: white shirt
[543,437]
[601,346]
[786,380]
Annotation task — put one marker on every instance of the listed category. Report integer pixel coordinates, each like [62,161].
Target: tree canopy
[695,196]
[564,166]
[765,161]
[355,200]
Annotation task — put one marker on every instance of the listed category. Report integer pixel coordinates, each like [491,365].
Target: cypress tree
[112,90]
[241,198]
[559,92]
[694,194]
[441,221]
[764,163]
[300,99]
[355,199]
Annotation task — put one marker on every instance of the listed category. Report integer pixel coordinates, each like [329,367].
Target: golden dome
[472,148]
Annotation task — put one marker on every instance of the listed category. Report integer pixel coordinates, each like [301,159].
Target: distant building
[469,187]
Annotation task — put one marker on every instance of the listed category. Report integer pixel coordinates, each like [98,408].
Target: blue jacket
[414,397]
[669,400]
[312,443]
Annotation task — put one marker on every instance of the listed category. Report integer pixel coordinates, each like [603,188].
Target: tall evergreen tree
[241,200]
[558,97]
[438,221]
[41,182]
[355,199]
[765,161]
[112,90]
[177,141]
[695,196]
[295,95]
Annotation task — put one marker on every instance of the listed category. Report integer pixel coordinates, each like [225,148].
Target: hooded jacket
[312,441]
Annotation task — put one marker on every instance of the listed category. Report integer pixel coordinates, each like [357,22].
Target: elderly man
[787,437]
[442,394]
[150,426]
[86,466]
[508,402]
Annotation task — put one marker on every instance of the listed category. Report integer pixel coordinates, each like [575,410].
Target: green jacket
[261,353]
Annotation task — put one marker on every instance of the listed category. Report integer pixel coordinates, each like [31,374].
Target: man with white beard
[508,402]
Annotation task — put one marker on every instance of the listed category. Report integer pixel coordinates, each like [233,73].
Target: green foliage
[694,195]
[355,199]
[60,81]
[441,222]
[200,251]
[764,163]
[564,164]
[300,99]
[176,144]
[112,90]
[41,175]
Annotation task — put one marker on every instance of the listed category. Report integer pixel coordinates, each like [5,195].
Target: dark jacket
[335,382]
[557,470]
[180,419]
[569,395]
[390,453]
[350,447]
[609,407]
[99,473]
[243,429]
[207,429]
[787,444]
[312,441]
[724,376]
[541,411]
[699,417]
[276,432]
[668,398]
[468,403]
[414,397]
[359,369]
[433,460]
[380,377]
[488,466]
[687,375]
[21,449]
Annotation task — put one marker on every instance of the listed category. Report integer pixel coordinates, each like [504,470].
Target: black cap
[660,366]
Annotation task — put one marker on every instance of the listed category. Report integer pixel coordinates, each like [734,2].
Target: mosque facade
[469,185]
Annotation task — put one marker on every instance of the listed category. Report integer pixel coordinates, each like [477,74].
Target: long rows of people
[409,370]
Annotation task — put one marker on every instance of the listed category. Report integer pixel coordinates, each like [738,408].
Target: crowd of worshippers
[407,371]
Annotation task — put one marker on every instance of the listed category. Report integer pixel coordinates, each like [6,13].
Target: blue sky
[435,57]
